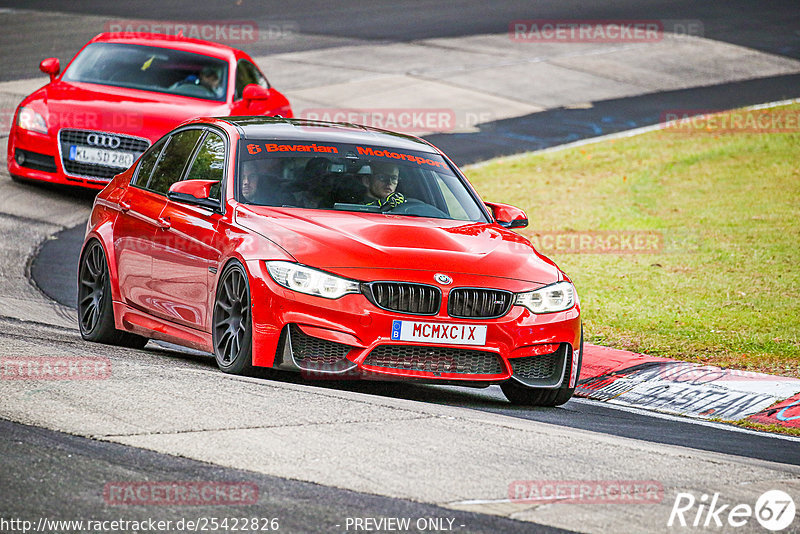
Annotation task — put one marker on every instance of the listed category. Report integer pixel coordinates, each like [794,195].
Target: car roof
[278,128]
[176,42]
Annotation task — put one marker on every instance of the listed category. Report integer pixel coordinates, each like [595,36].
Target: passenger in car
[314,185]
[346,189]
[250,184]
[260,182]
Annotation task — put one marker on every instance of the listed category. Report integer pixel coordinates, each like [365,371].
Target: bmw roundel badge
[443,279]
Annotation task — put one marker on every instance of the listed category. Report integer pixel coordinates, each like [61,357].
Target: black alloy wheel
[95,309]
[232,329]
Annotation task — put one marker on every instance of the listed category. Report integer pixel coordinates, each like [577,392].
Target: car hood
[341,242]
[87,106]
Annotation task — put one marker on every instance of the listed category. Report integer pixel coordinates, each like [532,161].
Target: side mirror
[254,92]
[50,66]
[197,192]
[508,216]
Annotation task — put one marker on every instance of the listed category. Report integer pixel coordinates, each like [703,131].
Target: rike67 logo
[774,510]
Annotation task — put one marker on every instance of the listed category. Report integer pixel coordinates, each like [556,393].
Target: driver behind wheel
[381,184]
[210,79]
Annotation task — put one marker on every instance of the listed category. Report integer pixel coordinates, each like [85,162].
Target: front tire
[527,396]
[95,309]
[232,322]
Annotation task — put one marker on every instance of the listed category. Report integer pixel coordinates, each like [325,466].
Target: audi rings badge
[106,141]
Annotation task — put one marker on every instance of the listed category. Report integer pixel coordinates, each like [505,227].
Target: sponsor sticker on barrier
[689,389]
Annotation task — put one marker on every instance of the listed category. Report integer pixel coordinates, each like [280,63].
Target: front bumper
[351,337]
[36,156]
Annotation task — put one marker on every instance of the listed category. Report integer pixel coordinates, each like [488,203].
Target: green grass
[775,429]
[725,288]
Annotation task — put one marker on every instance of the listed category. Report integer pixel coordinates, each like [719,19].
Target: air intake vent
[34,160]
[309,349]
[417,299]
[435,359]
[479,303]
[544,367]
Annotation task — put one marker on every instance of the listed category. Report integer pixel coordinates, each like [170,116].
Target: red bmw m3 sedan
[329,249]
[121,93]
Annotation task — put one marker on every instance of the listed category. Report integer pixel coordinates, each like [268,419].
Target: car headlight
[310,281]
[30,120]
[553,298]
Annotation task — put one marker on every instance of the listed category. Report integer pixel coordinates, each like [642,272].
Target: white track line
[617,135]
[686,419]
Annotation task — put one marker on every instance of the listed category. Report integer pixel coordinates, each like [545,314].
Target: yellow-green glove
[393,200]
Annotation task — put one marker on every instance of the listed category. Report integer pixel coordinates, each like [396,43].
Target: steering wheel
[412,206]
[196,88]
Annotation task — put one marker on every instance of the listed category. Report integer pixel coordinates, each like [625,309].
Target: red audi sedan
[329,249]
[120,94]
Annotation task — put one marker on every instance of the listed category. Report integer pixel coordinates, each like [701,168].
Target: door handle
[124,206]
[164,223]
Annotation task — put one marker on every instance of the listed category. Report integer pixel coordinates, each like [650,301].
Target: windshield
[151,69]
[334,176]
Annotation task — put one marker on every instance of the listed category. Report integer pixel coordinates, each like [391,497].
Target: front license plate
[454,334]
[100,156]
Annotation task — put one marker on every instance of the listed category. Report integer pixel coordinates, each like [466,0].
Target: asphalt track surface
[41,464]
[36,454]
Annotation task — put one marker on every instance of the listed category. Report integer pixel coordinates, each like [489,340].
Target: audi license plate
[453,334]
[100,156]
